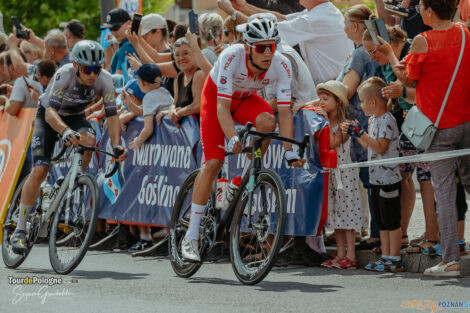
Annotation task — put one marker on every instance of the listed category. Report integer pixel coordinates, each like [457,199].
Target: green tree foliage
[43,15]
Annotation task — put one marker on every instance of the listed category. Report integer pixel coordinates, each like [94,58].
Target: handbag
[417,127]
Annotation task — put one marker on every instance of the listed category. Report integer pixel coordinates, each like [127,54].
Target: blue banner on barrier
[152,175]
[150,178]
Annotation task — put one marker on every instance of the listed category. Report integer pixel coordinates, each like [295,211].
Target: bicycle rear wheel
[11,259]
[255,243]
[179,225]
[68,242]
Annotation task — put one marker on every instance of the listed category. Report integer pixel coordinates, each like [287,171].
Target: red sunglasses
[260,48]
[90,69]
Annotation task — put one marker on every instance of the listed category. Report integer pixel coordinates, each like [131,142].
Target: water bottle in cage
[222,184]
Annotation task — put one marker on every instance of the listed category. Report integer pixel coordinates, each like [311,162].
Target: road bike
[254,220]
[67,212]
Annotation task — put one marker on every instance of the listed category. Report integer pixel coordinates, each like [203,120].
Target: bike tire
[85,235]
[178,230]
[239,233]
[11,259]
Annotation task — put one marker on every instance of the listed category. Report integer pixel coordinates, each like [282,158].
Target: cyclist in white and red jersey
[230,95]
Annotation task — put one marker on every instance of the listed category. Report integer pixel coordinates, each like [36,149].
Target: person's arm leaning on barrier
[201,60]
[145,133]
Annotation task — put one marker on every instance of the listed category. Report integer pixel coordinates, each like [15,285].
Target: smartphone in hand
[382,30]
[20,32]
[193,22]
[376,27]
[136,23]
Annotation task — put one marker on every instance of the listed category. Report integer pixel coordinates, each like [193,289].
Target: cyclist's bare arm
[286,125]
[226,121]
[54,120]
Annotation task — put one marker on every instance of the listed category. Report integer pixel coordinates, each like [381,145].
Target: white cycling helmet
[259,29]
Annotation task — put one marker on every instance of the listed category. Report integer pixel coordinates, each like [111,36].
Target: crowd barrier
[15,135]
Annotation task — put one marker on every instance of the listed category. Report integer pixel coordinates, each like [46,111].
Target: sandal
[418,249]
[434,250]
[347,264]
[440,270]
[397,10]
[391,2]
[368,245]
[417,241]
[332,262]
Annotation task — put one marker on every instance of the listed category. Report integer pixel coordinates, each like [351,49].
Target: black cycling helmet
[88,53]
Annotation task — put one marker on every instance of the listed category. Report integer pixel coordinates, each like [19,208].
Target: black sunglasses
[226,32]
[115,28]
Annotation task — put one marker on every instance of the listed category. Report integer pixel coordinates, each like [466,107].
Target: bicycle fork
[75,171]
[251,180]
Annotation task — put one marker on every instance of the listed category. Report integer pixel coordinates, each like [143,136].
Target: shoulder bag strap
[462,48]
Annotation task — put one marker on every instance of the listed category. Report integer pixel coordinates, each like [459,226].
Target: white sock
[197,211]
[386,257]
[246,167]
[394,258]
[24,212]
[146,237]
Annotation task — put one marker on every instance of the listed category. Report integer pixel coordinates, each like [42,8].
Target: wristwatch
[234,15]
[404,92]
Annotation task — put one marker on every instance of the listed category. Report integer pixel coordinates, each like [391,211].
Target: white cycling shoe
[190,250]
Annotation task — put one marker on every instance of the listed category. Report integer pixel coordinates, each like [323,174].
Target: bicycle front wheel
[69,240]
[179,225]
[255,241]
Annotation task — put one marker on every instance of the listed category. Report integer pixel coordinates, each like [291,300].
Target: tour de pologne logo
[5,151]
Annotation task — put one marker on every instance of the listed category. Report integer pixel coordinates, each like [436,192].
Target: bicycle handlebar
[243,134]
[94,149]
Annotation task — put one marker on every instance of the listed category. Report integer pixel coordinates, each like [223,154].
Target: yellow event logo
[258,153]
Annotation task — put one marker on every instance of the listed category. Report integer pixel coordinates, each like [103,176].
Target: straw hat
[337,88]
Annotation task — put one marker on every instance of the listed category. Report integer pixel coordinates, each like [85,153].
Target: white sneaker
[190,250]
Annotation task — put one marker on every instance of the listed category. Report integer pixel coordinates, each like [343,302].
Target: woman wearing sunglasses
[230,95]
[62,112]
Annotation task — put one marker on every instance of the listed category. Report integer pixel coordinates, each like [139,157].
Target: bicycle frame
[66,187]
[255,167]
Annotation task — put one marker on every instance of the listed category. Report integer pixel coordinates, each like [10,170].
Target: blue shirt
[124,48]
[66,60]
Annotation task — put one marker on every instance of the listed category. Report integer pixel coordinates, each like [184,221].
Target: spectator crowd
[362,88]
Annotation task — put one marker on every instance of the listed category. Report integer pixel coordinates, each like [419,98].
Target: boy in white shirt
[382,142]
[156,99]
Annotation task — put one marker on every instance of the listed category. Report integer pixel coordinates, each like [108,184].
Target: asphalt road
[115,282]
